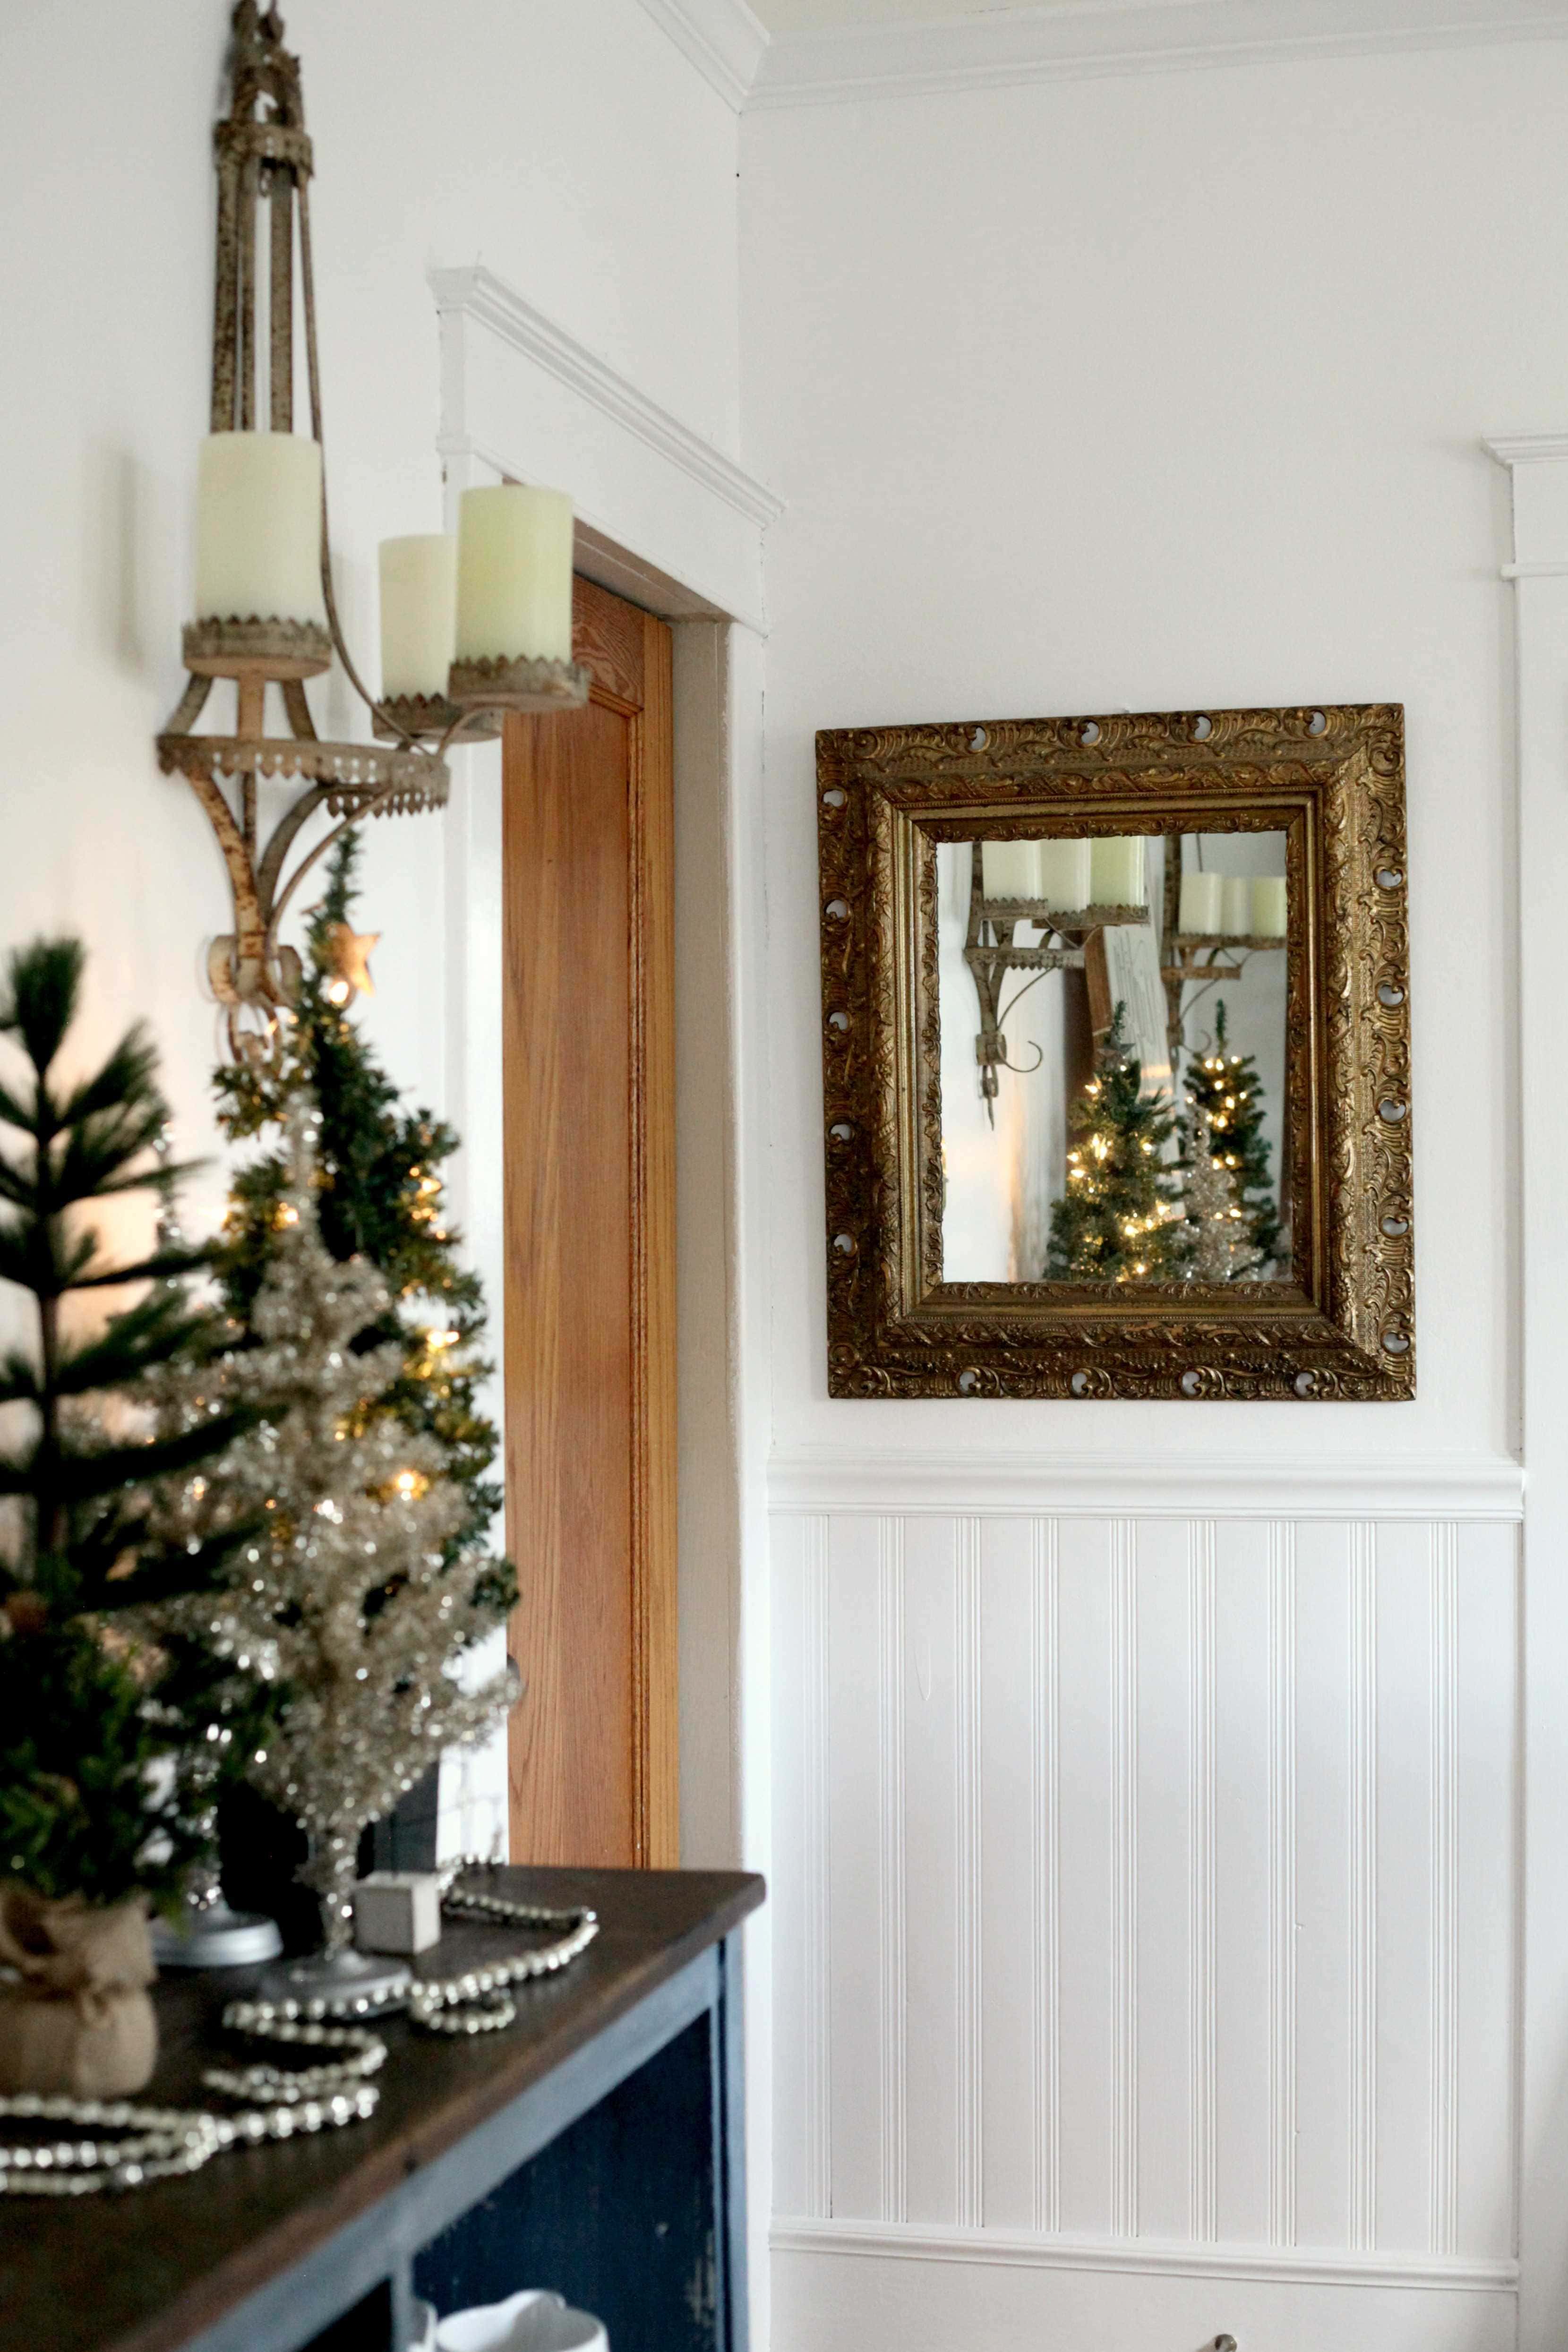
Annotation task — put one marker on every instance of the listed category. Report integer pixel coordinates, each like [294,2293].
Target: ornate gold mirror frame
[1332,781]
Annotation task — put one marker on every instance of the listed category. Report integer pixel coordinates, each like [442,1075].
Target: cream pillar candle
[1117,875]
[1203,905]
[1064,875]
[1009,869]
[514,575]
[1237,906]
[1270,911]
[419,613]
[259,528]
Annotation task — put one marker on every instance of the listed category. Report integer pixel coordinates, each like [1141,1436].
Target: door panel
[588,1022]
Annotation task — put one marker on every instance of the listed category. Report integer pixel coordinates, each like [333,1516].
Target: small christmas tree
[86,1710]
[1115,1220]
[379,1197]
[1216,1246]
[1226,1086]
[348,1595]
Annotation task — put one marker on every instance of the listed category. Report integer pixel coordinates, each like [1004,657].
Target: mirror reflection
[1113,1051]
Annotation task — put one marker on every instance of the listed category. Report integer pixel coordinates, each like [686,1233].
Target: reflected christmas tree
[1117,1221]
[1217,1245]
[1225,1088]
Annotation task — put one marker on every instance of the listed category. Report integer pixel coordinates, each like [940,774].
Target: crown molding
[826,1479]
[1527,448]
[919,2241]
[721,37]
[1081,38]
[477,293]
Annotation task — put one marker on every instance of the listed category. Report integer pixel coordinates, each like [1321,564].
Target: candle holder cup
[500,683]
[431,717]
[274,650]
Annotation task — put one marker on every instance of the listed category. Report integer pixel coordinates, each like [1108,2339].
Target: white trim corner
[722,39]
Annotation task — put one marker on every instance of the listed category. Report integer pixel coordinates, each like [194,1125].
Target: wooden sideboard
[596,2147]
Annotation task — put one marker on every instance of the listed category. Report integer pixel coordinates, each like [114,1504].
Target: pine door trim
[628,654]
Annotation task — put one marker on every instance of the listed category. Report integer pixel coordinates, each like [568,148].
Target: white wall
[1157,392]
[577,152]
[575,149]
[1150,393]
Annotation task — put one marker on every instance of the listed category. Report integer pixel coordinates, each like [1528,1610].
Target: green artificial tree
[1225,1086]
[379,1196]
[86,1709]
[1116,1221]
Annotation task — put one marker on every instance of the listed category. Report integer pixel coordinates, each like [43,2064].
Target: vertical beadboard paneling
[1044,1909]
[1147,1878]
[1086,1995]
[1011,1853]
[931,1861]
[969,2109]
[798,1978]
[1203,1930]
[1443,2083]
[1489,1800]
[1322,1884]
[1242,1692]
[1407,1665]
[1361,1870]
[893,1880]
[1164,2185]
[817,2073]
[854,2136]
[1282,1920]
[1124,1878]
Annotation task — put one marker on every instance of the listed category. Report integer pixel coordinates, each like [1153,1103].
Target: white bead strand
[143,2144]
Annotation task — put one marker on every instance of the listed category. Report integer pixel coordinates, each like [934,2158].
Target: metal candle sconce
[264,158]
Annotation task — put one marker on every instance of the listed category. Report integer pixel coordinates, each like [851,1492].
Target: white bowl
[534,2320]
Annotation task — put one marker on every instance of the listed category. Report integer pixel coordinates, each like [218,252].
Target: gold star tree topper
[350,951]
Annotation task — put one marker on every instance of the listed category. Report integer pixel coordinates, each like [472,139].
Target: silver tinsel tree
[345,1596]
[1219,1247]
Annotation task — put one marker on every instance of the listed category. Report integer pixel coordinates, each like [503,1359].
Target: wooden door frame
[628,654]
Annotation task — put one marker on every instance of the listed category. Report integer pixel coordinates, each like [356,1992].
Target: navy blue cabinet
[596,2148]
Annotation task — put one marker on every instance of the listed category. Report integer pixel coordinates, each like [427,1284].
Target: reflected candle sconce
[1065,888]
[471,629]
[1338,1322]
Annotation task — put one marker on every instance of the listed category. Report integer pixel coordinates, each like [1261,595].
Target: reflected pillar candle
[1203,905]
[1064,875]
[1237,906]
[1271,908]
[1118,873]
[1010,869]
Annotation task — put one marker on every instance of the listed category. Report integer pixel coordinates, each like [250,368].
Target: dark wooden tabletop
[143,2271]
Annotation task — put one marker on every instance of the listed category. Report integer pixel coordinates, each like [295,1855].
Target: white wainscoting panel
[1144,1897]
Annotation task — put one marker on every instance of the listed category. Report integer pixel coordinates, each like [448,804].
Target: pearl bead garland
[147,2144]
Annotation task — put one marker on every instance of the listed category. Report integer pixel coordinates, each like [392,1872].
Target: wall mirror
[1116,1056]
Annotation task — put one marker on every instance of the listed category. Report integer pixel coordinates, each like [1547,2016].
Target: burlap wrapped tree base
[77,2019]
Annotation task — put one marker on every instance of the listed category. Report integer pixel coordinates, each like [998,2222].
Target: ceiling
[816,16]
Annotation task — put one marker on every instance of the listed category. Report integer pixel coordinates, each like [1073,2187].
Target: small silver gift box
[397,1911]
